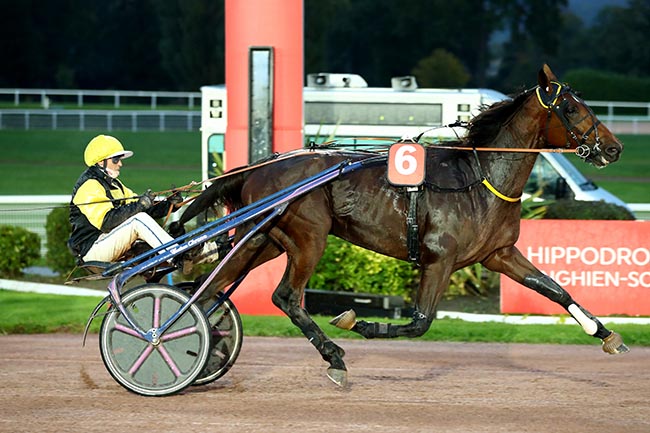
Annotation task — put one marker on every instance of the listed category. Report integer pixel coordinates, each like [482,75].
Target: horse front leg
[301,262]
[288,300]
[510,262]
[432,286]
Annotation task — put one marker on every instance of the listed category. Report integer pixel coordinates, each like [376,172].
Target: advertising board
[604,265]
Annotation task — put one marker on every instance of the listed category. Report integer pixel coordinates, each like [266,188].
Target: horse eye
[571,109]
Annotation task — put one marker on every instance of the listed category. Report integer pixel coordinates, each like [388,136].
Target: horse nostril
[613,151]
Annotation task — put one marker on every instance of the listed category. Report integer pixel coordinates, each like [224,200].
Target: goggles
[115,159]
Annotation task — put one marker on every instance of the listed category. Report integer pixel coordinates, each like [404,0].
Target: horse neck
[509,172]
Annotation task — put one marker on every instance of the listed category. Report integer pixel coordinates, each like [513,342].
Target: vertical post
[264,23]
[260,102]
[278,26]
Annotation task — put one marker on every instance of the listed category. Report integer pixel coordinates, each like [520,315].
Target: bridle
[556,102]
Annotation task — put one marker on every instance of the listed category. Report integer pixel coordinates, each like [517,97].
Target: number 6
[406,164]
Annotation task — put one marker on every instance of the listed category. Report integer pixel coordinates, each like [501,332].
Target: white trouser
[111,246]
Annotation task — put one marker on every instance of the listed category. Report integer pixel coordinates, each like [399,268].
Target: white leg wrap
[589,326]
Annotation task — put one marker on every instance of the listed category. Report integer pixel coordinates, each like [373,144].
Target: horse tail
[225,191]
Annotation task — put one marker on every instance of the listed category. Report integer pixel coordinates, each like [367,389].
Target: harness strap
[494,191]
[546,100]
[412,228]
[487,183]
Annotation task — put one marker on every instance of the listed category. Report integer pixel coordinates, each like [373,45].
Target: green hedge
[348,268]
[608,86]
[586,210]
[19,248]
[57,229]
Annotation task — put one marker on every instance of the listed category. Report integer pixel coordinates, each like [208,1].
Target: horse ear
[544,78]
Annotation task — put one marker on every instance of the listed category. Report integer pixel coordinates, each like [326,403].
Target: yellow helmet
[103,147]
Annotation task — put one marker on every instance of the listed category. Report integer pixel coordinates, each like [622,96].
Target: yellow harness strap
[552,98]
[494,191]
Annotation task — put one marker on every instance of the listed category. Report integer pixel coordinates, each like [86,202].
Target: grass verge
[28,313]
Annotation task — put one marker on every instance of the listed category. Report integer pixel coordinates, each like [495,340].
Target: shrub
[608,86]
[587,210]
[57,229]
[348,268]
[441,69]
[19,248]
[473,280]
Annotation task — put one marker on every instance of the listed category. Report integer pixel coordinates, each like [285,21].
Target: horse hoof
[345,320]
[339,377]
[613,344]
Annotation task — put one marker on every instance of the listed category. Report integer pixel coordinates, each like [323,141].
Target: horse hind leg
[347,320]
[432,285]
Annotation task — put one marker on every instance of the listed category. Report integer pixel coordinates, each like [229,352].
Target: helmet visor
[120,155]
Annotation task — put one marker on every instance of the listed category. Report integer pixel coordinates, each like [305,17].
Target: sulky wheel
[227,334]
[155,369]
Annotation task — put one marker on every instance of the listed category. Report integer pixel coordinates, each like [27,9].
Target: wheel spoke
[141,359]
[127,330]
[156,312]
[178,334]
[170,362]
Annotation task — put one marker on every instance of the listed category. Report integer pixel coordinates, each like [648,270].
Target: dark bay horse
[461,220]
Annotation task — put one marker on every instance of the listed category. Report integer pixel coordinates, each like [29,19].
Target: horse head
[572,124]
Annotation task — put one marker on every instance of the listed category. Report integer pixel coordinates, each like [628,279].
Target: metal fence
[48,97]
[31,211]
[107,120]
[620,116]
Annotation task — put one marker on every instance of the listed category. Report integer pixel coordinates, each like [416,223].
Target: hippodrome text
[605,265]
[597,257]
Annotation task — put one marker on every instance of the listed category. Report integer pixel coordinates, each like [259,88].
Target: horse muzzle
[600,154]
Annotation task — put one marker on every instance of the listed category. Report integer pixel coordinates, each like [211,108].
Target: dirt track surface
[51,384]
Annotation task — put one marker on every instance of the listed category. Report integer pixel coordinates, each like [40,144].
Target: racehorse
[468,212]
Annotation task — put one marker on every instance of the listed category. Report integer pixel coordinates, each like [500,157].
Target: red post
[268,23]
[274,23]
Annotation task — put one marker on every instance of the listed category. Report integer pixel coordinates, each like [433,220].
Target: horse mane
[484,128]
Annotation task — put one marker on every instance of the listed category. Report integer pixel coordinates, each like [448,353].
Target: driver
[107,217]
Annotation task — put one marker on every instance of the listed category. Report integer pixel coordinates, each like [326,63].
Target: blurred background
[179,44]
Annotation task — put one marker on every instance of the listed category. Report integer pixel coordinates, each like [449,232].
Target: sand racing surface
[51,384]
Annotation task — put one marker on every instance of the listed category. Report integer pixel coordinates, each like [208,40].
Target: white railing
[46,96]
[640,210]
[31,211]
[53,116]
[107,120]
[614,106]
